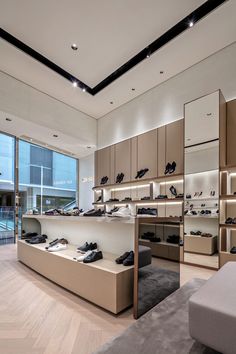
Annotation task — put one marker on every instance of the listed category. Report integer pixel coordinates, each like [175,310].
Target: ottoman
[144,256]
[212,311]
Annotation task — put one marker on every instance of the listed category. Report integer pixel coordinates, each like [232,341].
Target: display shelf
[228,226]
[103,282]
[228,197]
[201,217]
[107,219]
[200,199]
[139,201]
[159,243]
[167,178]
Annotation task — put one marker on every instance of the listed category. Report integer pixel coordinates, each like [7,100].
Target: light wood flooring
[39,317]
[207,261]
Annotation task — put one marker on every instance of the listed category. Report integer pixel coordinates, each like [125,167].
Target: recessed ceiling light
[111,102]
[84,89]
[8,119]
[148,55]
[55,135]
[74,84]
[74,46]
[133,89]
[161,72]
[191,24]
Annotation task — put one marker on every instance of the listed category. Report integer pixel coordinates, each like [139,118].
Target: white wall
[36,109]
[86,171]
[164,103]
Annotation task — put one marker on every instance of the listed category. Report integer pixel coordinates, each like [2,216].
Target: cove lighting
[173,182]
[131,187]
[233,174]
[158,203]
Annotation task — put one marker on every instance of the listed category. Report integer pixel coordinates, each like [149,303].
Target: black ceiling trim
[172,33]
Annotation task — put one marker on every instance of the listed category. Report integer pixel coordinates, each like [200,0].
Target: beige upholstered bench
[212,311]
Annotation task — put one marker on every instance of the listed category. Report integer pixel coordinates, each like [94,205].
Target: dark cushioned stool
[144,256]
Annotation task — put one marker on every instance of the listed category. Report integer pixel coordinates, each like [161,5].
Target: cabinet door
[231,133]
[103,164]
[174,144]
[147,153]
[161,150]
[123,159]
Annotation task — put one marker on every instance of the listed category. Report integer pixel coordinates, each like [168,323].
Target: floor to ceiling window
[47,179]
[7,189]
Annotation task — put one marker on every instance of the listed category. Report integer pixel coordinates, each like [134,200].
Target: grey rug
[163,330]
[154,285]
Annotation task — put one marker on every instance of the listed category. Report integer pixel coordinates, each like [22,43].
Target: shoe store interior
[118,177]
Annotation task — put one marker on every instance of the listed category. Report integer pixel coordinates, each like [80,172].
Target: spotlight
[191,24]
[74,84]
[84,89]
[74,46]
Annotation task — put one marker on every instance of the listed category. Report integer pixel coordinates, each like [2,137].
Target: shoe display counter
[104,282]
[200,245]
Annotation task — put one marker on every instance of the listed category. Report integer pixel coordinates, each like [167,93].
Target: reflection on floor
[156,282]
[208,261]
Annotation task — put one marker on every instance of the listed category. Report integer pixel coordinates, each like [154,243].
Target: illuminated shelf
[228,226]
[228,197]
[144,202]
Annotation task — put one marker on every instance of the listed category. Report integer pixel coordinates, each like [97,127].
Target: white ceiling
[108,33]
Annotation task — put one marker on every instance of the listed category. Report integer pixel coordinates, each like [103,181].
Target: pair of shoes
[104,180]
[173,239]
[28,235]
[161,196]
[170,168]
[150,236]
[122,212]
[188,196]
[212,193]
[233,250]
[127,199]
[197,194]
[87,247]
[127,259]
[147,211]
[53,212]
[37,239]
[120,177]
[99,199]
[93,257]
[205,212]
[141,173]
[179,195]
[113,200]
[173,191]
[195,233]
[93,212]
[230,221]
[146,198]
[190,212]
[206,234]
[52,245]
[109,213]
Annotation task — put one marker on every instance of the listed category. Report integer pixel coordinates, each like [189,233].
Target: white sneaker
[81,258]
[57,247]
[122,212]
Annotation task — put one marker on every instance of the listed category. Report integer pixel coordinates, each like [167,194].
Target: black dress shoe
[104,180]
[161,196]
[93,257]
[99,199]
[172,168]
[38,239]
[121,259]
[233,250]
[188,196]
[173,191]
[143,172]
[129,260]
[29,235]
[138,173]
[93,212]
[168,167]
[173,239]
[87,247]
[229,221]
[120,177]
[127,199]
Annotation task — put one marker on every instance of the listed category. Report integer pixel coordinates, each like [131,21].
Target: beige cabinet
[231,133]
[147,153]
[174,144]
[122,159]
[103,165]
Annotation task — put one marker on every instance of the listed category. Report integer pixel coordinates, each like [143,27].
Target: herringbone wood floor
[39,317]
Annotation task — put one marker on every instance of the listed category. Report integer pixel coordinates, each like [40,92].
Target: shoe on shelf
[104,180]
[173,239]
[109,213]
[173,191]
[53,212]
[87,247]
[93,212]
[57,247]
[120,177]
[127,199]
[82,257]
[161,196]
[206,234]
[195,233]
[233,250]
[146,198]
[188,196]
[172,167]
[181,243]
[93,257]
[179,196]
[99,199]
[122,212]
[113,200]
[143,172]
[121,259]
[229,221]
[29,235]
[147,211]
[37,239]
[129,261]
[168,167]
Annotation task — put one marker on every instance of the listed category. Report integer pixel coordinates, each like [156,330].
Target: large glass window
[47,179]
[7,189]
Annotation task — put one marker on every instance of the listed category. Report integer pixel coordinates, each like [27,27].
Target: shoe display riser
[111,288]
[201,245]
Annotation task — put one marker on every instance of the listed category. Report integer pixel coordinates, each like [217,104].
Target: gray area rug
[163,330]
[154,285]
